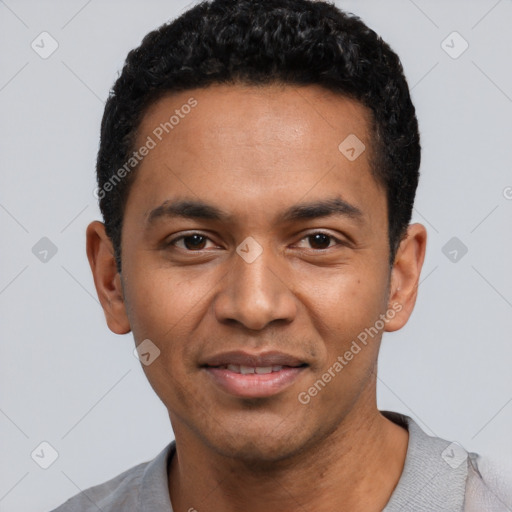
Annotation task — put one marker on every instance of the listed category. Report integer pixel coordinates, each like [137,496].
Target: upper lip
[263,359]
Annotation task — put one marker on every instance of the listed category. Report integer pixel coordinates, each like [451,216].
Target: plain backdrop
[68,381]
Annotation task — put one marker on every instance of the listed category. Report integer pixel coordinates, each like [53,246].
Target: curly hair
[258,42]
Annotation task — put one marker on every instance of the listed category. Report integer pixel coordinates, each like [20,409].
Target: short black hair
[259,42]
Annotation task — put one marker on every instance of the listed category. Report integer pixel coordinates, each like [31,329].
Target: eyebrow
[196,209]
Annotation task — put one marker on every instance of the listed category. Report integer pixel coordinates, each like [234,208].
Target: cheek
[347,306]
[166,307]
[346,314]
[164,310]
[159,300]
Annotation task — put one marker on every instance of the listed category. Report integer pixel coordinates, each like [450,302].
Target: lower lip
[254,385]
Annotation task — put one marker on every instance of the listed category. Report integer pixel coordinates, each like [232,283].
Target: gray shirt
[438,476]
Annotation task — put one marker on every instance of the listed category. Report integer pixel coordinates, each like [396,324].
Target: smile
[253,381]
[246,370]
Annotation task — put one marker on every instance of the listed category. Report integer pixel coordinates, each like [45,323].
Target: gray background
[67,380]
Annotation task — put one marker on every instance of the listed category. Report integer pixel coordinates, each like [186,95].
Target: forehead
[253,142]
[246,114]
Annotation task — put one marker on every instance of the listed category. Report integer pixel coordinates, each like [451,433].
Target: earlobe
[405,276]
[107,281]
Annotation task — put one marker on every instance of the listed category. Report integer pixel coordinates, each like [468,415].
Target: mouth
[246,375]
[248,370]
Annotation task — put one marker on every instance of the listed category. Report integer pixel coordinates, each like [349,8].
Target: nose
[255,293]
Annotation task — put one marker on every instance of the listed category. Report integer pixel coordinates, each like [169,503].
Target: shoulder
[121,489]
[441,475]
[125,490]
[488,485]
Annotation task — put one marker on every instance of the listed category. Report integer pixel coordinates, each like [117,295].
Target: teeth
[263,369]
[246,370]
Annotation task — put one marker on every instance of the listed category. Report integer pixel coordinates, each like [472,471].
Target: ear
[405,276]
[100,253]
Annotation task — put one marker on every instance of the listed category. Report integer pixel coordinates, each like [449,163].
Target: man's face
[255,153]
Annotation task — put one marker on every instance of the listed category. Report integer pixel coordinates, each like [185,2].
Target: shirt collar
[430,480]
[434,474]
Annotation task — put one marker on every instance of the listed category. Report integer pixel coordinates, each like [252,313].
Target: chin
[259,449]
[258,453]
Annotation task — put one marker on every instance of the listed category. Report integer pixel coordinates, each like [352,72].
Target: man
[256,175]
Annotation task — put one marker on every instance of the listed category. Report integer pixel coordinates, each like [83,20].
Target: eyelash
[173,241]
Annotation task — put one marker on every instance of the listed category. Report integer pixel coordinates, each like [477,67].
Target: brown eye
[193,242]
[319,240]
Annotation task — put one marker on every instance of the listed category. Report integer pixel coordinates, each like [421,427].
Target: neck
[354,469]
